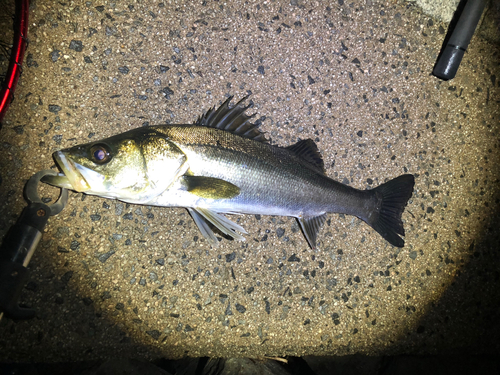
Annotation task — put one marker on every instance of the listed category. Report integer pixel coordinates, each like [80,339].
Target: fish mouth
[72,176]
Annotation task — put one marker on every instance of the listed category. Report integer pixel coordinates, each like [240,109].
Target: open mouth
[72,176]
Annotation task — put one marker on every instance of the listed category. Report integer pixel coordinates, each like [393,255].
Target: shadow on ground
[347,365]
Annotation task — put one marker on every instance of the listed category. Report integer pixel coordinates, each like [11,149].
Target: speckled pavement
[111,279]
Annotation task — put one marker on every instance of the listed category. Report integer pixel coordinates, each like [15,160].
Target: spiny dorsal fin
[233,120]
[310,226]
[308,151]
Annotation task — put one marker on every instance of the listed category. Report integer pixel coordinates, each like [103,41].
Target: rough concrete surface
[442,10]
[111,279]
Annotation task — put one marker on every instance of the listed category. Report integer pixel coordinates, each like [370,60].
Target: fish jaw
[73,176]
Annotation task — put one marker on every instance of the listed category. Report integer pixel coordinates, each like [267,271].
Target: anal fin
[310,226]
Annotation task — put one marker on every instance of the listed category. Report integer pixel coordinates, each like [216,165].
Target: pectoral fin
[209,187]
[223,224]
[310,226]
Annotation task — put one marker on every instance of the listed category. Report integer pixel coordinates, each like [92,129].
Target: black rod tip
[447,65]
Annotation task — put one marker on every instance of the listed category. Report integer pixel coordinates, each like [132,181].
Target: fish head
[135,166]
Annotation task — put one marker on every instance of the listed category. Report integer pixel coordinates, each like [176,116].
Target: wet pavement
[112,279]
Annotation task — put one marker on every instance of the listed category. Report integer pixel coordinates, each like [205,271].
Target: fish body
[222,164]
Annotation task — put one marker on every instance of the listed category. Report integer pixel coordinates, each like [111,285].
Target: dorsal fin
[308,151]
[233,120]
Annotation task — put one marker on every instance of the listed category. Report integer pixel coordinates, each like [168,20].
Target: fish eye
[100,154]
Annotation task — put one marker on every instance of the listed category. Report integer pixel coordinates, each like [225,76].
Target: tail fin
[394,195]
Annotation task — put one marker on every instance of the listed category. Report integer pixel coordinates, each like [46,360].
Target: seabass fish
[222,164]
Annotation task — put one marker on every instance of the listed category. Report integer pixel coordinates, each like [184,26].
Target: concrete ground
[111,279]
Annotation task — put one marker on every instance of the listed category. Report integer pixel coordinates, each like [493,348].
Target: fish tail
[394,195]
